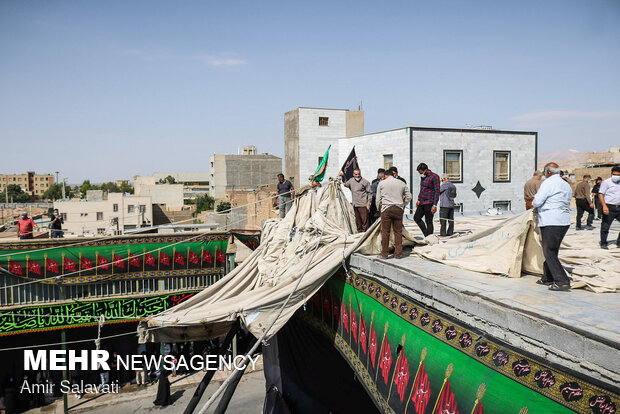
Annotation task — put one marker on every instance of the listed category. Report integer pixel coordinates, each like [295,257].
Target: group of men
[386,198]
[26,226]
[552,199]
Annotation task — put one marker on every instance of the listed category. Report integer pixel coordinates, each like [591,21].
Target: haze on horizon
[109,90]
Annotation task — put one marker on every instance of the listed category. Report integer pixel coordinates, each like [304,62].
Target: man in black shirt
[597,203]
[398,177]
[286,195]
[56,225]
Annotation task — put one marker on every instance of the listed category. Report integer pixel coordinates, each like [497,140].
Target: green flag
[319,174]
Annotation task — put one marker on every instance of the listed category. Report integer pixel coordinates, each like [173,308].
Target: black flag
[349,165]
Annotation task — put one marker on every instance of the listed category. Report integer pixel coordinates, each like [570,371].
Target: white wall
[314,140]
[169,194]
[478,161]
[428,147]
[82,215]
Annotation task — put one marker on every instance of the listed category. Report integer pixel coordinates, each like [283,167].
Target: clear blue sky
[112,89]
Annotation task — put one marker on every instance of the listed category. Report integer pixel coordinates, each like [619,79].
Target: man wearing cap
[25,226]
[609,195]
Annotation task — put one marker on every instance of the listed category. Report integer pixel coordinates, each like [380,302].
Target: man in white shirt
[553,204]
[609,196]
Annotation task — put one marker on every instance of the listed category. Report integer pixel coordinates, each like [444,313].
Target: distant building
[488,166]
[30,182]
[598,164]
[121,182]
[110,216]
[168,196]
[245,171]
[194,184]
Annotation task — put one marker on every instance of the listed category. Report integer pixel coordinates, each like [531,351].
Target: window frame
[509,166]
[454,151]
[385,167]
[503,201]
[99,214]
[130,208]
[115,207]
[324,119]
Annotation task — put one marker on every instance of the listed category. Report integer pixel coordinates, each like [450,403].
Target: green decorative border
[552,392]
[454,334]
[85,313]
[112,241]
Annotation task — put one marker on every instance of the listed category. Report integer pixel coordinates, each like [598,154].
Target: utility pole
[63,188]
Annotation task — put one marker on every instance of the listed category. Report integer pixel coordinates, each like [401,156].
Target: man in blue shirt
[552,201]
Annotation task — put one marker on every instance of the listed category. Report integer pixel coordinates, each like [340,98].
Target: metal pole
[63,339]
[202,387]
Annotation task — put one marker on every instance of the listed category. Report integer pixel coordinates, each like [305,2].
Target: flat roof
[442,129]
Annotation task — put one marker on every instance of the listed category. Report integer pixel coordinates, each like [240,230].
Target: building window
[100,231]
[142,208]
[388,161]
[115,207]
[64,216]
[323,121]
[320,159]
[458,207]
[502,205]
[99,215]
[83,214]
[603,159]
[501,166]
[453,165]
[130,208]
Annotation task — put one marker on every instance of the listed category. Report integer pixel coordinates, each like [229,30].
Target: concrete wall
[355,123]
[478,147]
[291,145]
[81,216]
[603,172]
[314,140]
[428,147]
[171,195]
[140,180]
[243,172]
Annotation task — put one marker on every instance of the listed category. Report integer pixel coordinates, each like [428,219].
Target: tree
[126,188]
[203,203]
[168,180]
[223,206]
[86,185]
[16,194]
[54,192]
[110,187]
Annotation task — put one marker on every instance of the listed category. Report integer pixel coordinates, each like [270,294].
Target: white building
[110,216]
[489,167]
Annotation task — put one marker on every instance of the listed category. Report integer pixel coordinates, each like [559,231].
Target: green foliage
[16,194]
[109,187]
[168,180]
[205,202]
[223,206]
[126,188]
[54,192]
[86,185]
